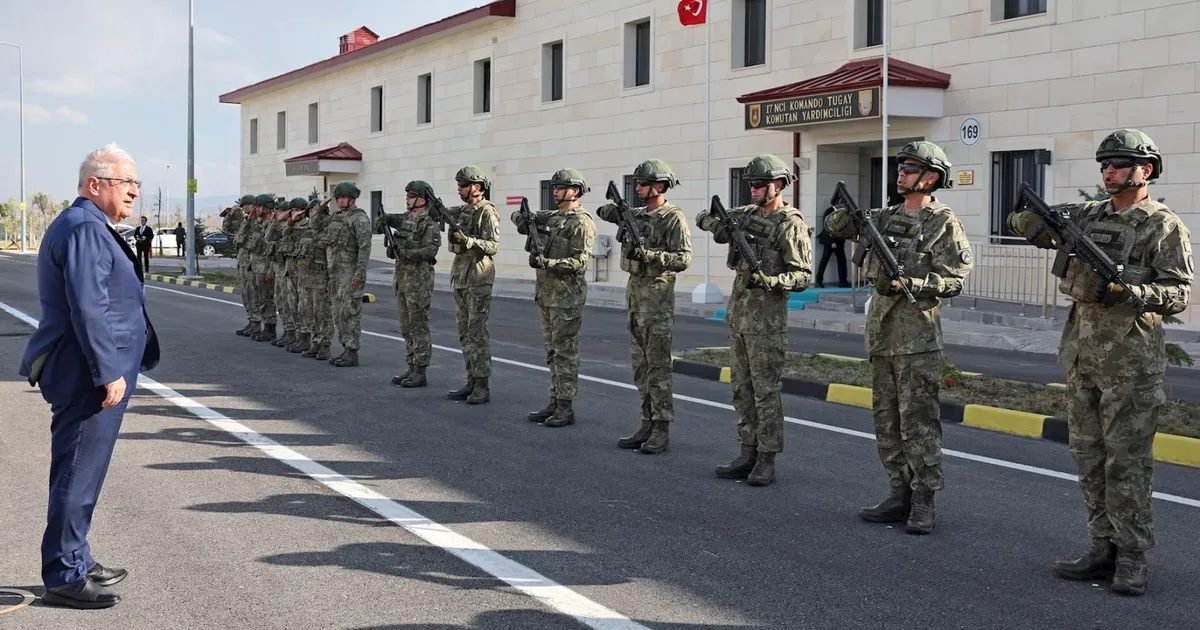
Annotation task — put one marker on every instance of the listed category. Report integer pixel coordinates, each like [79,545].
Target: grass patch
[1176,417]
[211,277]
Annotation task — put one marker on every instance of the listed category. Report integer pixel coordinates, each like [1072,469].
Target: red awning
[855,75]
[342,151]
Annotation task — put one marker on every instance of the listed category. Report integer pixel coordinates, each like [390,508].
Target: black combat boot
[1131,574]
[638,437]
[893,509]
[267,334]
[313,349]
[253,329]
[322,352]
[764,470]
[1098,562]
[920,519]
[399,378]
[542,414]
[303,341]
[333,360]
[245,330]
[564,414]
[349,358]
[416,378]
[481,393]
[288,338]
[462,392]
[659,438]
[740,467]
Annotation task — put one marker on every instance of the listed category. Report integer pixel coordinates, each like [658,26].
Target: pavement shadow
[324,507]
[351,469]
[216,437]
[531,619]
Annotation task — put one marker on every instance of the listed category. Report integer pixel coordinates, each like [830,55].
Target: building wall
[1058,81]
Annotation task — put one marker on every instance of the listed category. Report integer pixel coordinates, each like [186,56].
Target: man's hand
[113,392]
[355,284]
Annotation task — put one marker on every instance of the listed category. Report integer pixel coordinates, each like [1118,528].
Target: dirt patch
[1176,417]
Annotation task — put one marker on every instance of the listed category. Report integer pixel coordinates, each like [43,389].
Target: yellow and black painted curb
[1175,449]
[367,297]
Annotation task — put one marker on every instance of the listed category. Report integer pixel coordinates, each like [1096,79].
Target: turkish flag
[693,12]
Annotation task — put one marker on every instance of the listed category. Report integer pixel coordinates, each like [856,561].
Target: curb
[367,297]
[1174,449]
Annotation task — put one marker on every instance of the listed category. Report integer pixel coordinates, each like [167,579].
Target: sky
[116,71]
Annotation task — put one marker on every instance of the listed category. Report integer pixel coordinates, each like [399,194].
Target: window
[376,208]
[1009,170]
[631,192]
[281,130]
[552,72]
[547,196]
[637,53]
[313,113]
[377,108]
[253,136]
[739,189]
[424,99]
[1023,8]
[749,34]
[483,86]
[874,22]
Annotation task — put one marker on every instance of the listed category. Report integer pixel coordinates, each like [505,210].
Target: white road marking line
[511,572]
[982,459]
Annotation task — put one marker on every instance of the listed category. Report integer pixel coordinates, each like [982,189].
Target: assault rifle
[628,230]
[869,239]
[389,239]
[1073,242]
[533,242]
[438,211]
[738,239]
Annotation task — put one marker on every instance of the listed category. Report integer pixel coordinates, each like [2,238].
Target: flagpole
[707,293]
[883,103]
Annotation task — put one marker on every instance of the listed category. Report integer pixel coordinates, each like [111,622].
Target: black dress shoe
[82,594]
[106,577]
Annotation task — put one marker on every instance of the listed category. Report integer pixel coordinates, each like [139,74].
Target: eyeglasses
[758,183]
[1117,163]
[126,181]
[908,169]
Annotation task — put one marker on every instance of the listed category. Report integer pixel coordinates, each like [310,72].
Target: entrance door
[876,182]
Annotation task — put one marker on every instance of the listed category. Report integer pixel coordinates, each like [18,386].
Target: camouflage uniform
[904,341]
[347,250]
[235,224]
[298,273]
[650,299]
[567,234]
[260,268]
[277,229]
[757,318]
[314,282]
[1115,356]
[471,276]
[288,247]
[415,238]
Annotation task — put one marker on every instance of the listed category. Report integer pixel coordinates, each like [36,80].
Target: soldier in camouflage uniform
[273,247]
[471,275]
[315,301]
[233,224]
[567,234]
[288,244]
[415,238]
[347,250]
[904,341]
[650,297]
[298,273]
[1115,355]
[757,314]
[260,267]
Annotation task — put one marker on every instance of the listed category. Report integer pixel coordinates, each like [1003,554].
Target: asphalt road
[348,510]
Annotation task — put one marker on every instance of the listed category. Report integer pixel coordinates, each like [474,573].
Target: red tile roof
[498,8]
[342,151]
[856,75]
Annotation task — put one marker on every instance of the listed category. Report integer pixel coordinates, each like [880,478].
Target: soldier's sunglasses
[1117,163]
[758,183]
[908,169]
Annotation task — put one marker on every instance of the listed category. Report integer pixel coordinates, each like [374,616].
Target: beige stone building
[1014,90]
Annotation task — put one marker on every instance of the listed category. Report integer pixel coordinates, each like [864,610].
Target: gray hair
[99,163]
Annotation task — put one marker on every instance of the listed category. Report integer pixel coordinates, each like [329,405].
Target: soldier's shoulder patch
[965,256]
[1191,265]
[437,237]
[588,242]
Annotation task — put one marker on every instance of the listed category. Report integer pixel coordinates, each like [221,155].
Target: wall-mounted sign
[966,178]
[818,108]
[306,167]
[969,132]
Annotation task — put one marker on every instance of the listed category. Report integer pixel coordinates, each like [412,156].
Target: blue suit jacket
[94,328]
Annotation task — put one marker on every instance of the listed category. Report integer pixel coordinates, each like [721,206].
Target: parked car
[126,232]
[216,243]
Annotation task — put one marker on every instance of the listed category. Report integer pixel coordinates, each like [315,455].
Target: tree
[10,220]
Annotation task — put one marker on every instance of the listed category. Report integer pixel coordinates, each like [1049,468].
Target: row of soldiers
[1113,351]
[304,266]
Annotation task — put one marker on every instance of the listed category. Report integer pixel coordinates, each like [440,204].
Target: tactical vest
[904,235]
[653,228]
[556,240]
[468,220]
[762,234]
[1117,236]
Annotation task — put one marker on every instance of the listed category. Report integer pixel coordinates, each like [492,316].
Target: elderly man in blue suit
[93,340]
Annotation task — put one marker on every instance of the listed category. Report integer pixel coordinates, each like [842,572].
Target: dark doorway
[876,182]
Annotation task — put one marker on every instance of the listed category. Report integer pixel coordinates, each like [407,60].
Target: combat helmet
[932,157]
[266,200]
[420,188]
[768,167]
[346,189]
[472,175]
[654,170]
[1131,143]
[246,200]
[569,177]
[298,203]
